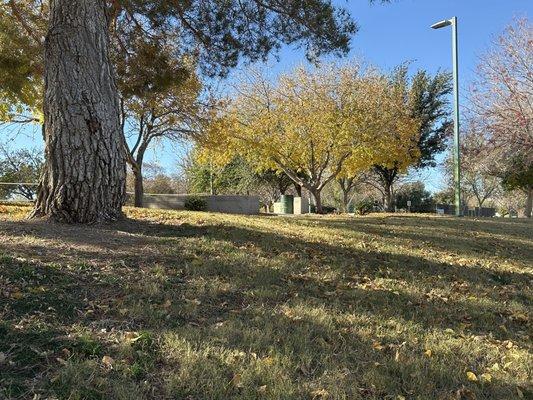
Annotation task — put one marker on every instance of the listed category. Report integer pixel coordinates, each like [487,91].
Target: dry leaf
[108,361]
[378,346]
[486,377]
[519,393]
[2,358]
[131,336]
[428,353]
[320,393]
[17,295]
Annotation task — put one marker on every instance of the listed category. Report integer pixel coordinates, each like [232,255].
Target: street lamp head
[441,24]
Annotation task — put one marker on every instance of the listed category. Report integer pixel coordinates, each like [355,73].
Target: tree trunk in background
[85,172]
[139,187]
[387,177]
[298,189]
[388,198]
[345,200]
[529,203]
[318,200]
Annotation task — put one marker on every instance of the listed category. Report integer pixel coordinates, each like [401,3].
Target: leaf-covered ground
[179,305]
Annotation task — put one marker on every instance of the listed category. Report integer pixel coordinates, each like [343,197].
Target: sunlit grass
[186,305]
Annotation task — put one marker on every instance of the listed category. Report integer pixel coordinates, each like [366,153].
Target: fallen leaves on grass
[471,376]
[108,361]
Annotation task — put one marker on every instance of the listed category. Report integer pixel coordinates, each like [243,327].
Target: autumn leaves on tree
[316,125]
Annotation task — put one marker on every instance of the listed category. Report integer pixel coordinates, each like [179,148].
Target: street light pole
[456,142]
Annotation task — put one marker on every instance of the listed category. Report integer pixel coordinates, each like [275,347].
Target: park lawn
[183,305]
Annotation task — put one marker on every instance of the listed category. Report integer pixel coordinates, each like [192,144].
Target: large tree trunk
[529,202]
[85,171]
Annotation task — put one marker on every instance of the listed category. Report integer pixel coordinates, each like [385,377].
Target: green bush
[195,203]
[364,207]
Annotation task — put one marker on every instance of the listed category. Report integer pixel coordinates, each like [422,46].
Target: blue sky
[391,34]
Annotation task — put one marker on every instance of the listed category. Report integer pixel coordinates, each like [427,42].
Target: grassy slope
[204,306]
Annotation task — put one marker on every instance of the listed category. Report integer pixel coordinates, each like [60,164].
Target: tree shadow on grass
[236,289]
[451,235]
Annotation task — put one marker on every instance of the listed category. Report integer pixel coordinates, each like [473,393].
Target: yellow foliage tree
[314,124]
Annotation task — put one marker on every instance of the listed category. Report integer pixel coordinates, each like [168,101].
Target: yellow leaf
[428,353]
[471,376]
[268,361]
[495,367]
[131,336]
[486,377]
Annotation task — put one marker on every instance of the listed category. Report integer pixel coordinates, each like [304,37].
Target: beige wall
[248,205]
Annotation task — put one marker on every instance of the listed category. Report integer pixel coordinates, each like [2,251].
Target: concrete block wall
[301,205]
[248,205]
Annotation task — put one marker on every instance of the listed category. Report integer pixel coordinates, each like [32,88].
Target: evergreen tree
[426,98]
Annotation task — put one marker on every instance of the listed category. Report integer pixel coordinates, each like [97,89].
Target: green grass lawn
[181,305]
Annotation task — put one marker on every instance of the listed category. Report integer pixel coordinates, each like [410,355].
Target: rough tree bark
[85,171]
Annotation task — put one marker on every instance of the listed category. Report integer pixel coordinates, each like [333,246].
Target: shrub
[195,203]
[328,209]
[364,207]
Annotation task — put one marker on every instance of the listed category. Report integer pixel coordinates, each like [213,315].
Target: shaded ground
[177,305]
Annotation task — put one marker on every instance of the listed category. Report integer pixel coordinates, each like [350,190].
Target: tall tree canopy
[313,124]
[85,166]
[425,97]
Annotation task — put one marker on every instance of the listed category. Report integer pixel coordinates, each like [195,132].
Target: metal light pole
[456,143]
